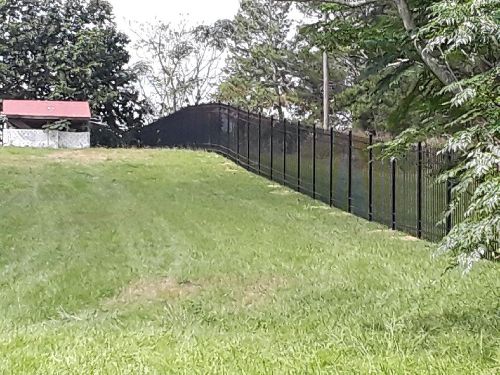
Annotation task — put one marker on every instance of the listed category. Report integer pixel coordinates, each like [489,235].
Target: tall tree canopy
[258,56]
[68,49]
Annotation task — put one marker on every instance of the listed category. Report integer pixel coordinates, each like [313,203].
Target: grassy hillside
[154,262]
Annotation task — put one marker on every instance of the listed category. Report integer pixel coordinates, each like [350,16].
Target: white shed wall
[45,138]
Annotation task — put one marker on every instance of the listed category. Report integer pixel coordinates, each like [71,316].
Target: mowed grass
[158,262]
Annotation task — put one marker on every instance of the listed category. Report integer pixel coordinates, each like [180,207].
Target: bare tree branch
[177,66]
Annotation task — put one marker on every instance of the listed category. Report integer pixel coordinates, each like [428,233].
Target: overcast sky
[199,11]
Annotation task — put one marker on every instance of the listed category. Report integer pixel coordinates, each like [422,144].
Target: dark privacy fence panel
[337,168]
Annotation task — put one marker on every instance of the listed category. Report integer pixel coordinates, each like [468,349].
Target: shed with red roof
[45,123]
[37,114]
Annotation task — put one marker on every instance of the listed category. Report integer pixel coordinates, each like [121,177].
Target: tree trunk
[440,71]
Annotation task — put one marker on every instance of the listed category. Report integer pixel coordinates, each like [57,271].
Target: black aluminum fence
[337,168]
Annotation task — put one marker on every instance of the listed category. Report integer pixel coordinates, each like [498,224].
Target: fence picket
[298,158]
[349,182]
[393,193]
[314,163]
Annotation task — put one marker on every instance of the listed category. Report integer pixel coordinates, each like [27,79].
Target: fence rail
[340,169]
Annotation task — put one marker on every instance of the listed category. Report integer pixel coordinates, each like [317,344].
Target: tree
[68,49]
[178,64]
[258,74]
[273,67]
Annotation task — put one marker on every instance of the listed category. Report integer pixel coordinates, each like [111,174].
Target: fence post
[210,126]
[259,144]
[298,156]
[349,182]
[228,127]
[370,180]
[219,123]
[272,146]
[393,205]
[331,166]
[419,191]
[449,188]
[284,151]
[248,138]
[314,164]
[238,134]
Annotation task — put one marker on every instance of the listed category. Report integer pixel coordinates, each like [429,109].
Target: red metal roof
[46,109]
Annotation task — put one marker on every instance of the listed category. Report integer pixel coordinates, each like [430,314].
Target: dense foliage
[467,35]
[68,49]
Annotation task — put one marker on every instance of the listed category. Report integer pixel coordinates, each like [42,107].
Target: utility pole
[326,87]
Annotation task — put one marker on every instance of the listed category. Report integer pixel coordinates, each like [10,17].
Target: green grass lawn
[156,262]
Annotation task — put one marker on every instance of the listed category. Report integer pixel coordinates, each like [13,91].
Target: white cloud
[196,11]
